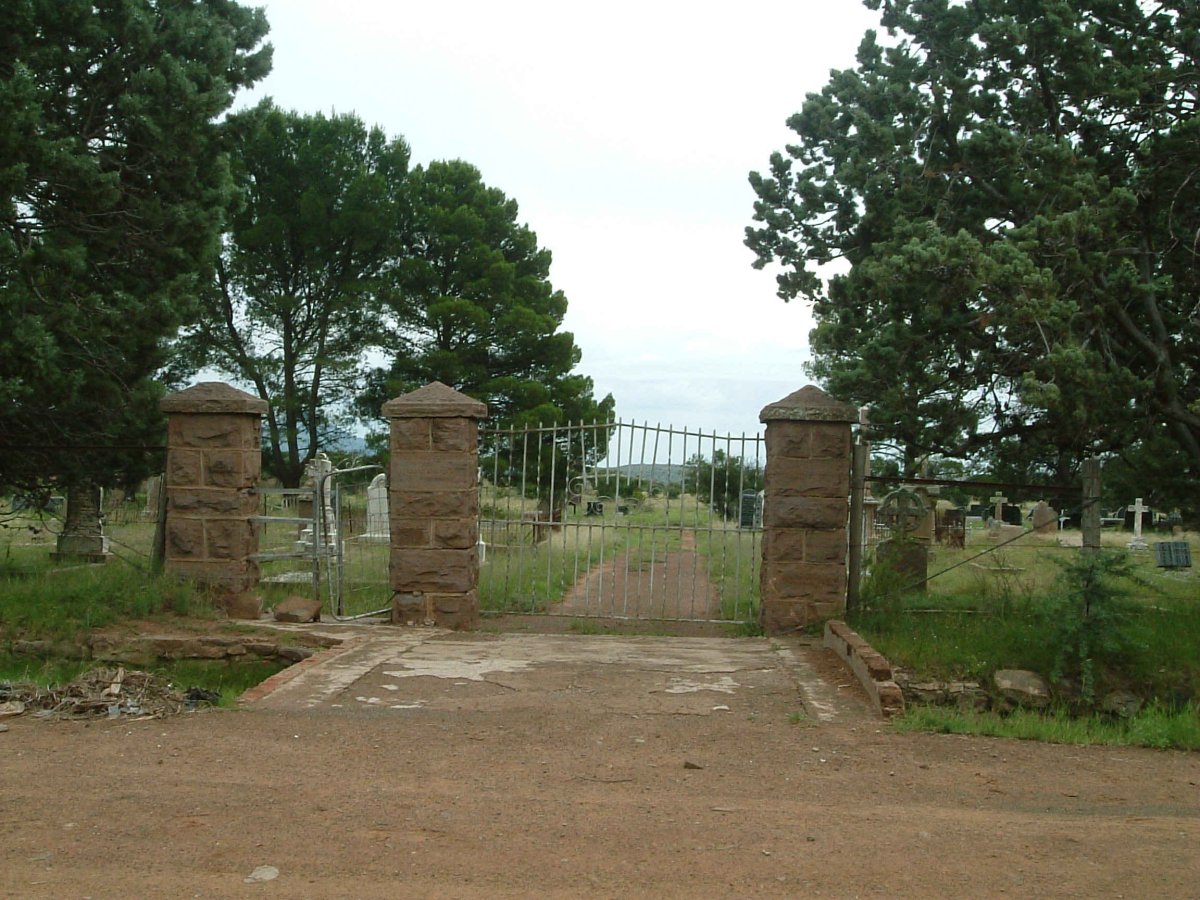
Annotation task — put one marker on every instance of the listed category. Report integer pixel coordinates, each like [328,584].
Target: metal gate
[620,520]
[328,539]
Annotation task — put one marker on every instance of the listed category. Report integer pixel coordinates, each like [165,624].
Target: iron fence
[620,520]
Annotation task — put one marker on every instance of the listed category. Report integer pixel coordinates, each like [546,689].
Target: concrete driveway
[388,671]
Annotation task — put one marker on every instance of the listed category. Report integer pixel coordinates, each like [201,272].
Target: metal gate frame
[323,554]
[604,512]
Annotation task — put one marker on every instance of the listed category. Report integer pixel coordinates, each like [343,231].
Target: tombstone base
[82,548]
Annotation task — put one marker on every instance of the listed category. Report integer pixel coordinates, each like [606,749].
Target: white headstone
[377,510]
[1137,543]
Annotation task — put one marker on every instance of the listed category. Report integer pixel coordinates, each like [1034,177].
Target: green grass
[734,558]
[59,604]
[522,577]
[229,679]
[1018,612]
[1155,726]
[967,637]
[530,579]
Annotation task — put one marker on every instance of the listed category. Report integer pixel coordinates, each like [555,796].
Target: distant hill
[660,473]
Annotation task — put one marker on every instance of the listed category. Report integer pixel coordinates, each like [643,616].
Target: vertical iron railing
[620,520]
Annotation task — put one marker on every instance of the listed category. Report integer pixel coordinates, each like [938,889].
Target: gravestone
[905,551]
[1173,555]
[83,537]
[153,493]
[1139,514]
[1045,518]
[952,527]
[750,512]
[377,511]
[998,501]
[316,474]
[907,558]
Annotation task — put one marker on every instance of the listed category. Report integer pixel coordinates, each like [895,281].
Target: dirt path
[635,584]
[512,766]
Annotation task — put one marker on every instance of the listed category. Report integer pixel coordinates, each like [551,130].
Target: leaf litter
[107,693]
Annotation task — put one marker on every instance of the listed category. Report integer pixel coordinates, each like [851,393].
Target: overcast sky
[625,131]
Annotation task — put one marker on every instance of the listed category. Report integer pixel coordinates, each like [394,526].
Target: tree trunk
[82,535]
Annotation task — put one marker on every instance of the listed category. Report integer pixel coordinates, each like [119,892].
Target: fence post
[806,509]
[1089,519]
[214,460]
[433,503]
[858,478]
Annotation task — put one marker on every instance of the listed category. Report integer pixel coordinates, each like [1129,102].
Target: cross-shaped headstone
[999,499]
[1137,543]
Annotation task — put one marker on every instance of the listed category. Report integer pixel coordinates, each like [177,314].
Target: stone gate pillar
[806,509]
[214,460]
[433,506]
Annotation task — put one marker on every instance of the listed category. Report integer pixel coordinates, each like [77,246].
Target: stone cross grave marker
[999,499]
[315,475]
[1137,543]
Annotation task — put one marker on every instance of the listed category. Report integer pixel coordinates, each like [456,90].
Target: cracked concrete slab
[432,671]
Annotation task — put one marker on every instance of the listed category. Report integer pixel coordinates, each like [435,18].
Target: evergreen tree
[296,301]
[1013,187]
[112,187]
[472,306]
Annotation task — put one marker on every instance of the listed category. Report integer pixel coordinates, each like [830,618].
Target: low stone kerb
[809,404]
[214,397]
[436,401]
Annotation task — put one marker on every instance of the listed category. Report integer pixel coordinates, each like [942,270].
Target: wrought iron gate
[620,520]
[329,539]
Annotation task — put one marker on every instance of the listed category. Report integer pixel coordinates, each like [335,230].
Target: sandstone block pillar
[806,509]
[214,460]
[433,506]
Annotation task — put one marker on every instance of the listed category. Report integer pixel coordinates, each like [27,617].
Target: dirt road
[637,584]
[519,766]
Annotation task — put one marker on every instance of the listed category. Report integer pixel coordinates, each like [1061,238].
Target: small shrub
[1090,619]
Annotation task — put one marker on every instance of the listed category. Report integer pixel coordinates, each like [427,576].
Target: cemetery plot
[620,520]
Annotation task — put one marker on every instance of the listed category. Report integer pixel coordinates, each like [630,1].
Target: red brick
[787,477]
[433,504]
[410,434]
[826,547]
[412,533]
[441,571]
[455,534]
[830,440]
[433,471]
[183,468]
[805,512]
[454,434]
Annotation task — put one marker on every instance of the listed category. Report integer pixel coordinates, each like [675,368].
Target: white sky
[625,131]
